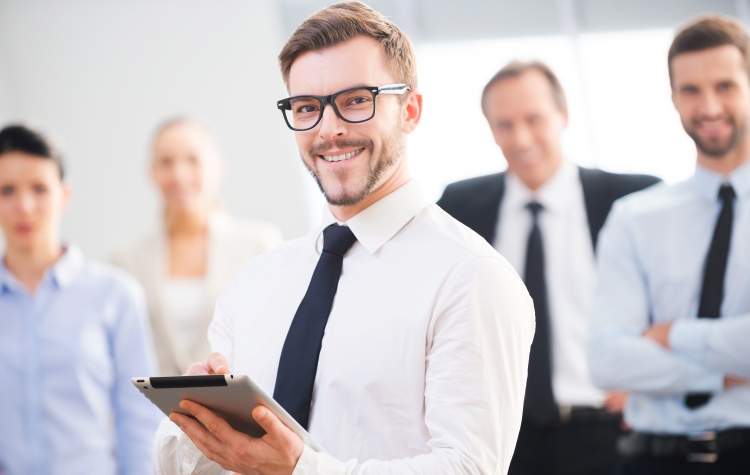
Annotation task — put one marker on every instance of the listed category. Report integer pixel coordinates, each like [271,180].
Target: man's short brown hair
[517,68]
[344,21]
[709,32]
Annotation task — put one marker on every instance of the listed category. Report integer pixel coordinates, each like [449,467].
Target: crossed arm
[625,352]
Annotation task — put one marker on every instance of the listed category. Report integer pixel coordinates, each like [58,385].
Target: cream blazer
[232,244]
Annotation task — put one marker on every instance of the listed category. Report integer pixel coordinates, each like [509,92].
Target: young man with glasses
[671,318]
[419,364]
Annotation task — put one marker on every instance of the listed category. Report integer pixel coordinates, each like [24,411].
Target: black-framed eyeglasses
[353,105]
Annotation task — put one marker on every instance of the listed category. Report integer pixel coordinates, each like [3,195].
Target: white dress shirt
[570,270]
[424,360]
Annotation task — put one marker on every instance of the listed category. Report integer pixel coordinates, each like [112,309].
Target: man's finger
[203,442]
[196,369]
[217,364]
[213,423]
[198,434]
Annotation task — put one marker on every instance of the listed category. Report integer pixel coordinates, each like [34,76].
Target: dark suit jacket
[476,202]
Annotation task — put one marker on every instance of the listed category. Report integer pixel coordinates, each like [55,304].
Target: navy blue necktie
[712,292]
[539,404]
[299,356]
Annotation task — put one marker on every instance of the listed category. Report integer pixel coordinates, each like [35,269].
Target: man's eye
[40,189]
[503,126]
[6,190]
[360,100]
[307,109]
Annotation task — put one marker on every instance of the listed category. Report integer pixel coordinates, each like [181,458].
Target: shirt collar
[554,194]
[61,272]
[378,223]
[708,182]
[64,270]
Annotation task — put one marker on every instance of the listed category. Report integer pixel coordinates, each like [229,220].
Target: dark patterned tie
[539,406]
[299,356]
[712,292]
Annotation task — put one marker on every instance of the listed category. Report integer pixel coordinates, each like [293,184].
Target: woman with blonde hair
[198,248]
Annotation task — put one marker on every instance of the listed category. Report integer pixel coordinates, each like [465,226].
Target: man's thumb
[267,420]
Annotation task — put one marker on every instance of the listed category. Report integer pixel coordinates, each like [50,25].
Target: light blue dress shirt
[67,354]
[651,256]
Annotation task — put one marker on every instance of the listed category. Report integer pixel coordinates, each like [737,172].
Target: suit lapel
[597,207]
[486,213]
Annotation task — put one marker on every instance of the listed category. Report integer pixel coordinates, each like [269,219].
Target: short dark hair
[709,32]
[516,68]
[20,138]
[344,21]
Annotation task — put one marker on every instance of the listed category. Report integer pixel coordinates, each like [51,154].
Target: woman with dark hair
[72,334]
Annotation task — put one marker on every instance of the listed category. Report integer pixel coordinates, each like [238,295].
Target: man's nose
[711,105]
[26,203]
[522,137]
[331,125]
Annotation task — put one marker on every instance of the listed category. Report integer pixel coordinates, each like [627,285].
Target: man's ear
[67,191]
[412,111]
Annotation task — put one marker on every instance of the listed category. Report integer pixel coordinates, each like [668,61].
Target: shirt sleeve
[136,419]
[477,358]
[620,358]
[175,454]
[721,343]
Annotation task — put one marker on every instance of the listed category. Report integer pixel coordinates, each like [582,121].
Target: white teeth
[338,158]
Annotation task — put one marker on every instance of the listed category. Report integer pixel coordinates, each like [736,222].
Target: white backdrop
[102,75]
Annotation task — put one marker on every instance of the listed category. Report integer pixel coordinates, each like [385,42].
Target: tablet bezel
[230,396]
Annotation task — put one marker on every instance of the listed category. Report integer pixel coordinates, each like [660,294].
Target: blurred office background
[102,74]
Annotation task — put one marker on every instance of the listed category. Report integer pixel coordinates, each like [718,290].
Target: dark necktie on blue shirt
[712,292]
[299,356]
[539,403]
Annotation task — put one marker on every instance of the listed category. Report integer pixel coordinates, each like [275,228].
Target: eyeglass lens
[356,105]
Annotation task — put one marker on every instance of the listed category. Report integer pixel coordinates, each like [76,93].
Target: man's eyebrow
[359,84]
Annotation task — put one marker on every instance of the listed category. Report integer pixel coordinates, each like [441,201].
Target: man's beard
[719,150]
[391,150]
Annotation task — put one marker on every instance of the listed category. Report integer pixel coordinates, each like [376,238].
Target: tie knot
[338,239]
[726,193]
[535,208]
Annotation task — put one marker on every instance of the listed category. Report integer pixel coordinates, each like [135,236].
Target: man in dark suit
[544,216]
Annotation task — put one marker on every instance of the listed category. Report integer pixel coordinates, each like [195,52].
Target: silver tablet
[230,396]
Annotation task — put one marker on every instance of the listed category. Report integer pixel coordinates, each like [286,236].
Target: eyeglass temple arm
[393,89]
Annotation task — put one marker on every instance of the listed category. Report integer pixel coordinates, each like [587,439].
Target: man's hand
[214,364]
[659,333]
[732,381]
[616,401]
[276,453]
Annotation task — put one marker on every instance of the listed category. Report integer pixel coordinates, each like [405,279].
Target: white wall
[101,75]
[617,86]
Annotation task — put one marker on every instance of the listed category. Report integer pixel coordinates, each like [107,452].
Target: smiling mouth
[343,156]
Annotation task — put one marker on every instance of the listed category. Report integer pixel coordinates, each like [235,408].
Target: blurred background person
[198,248]
[72,334]
[671,318]
[544,215]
